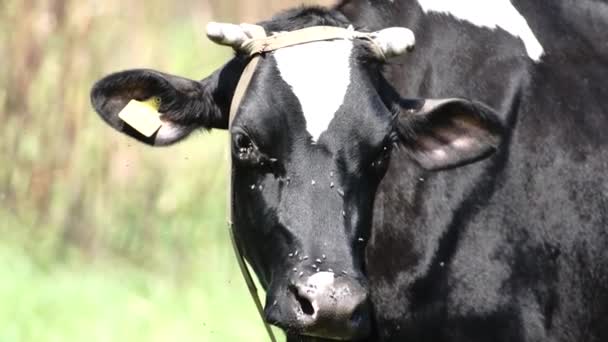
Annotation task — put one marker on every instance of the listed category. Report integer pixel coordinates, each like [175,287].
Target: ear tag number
[143,116]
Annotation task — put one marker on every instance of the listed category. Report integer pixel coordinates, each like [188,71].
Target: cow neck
[258,44]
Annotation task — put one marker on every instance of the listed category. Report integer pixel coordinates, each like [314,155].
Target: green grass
[108,301]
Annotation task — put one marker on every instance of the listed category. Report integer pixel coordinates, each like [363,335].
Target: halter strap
[239,92]
[281,40]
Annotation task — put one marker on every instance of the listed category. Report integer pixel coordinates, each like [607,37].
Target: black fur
[511,248]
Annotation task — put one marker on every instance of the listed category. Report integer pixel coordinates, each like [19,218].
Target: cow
[456,192]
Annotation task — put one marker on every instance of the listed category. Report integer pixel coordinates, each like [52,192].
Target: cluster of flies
[313,182]
[317,263]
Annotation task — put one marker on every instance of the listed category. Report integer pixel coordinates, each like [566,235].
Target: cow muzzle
[323,305]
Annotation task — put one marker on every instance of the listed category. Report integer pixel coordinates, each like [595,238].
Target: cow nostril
[304,303]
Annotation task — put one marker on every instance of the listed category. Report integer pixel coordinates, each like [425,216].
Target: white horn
[226,34]
[394,41]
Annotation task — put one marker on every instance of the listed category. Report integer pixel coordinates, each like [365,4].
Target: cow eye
[243,146]
[248,154]
[241,141]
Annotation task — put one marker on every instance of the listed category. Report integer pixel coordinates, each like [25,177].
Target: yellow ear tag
[143,115]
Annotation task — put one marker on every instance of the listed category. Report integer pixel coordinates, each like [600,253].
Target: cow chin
[321,305]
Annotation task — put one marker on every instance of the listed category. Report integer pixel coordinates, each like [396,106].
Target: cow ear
[441,134]
[184,104]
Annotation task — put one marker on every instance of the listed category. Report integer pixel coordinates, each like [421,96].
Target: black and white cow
[366,193]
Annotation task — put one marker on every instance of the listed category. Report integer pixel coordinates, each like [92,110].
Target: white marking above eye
[491,14]
[318,74]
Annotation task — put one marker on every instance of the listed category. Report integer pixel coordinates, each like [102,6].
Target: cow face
[310,143]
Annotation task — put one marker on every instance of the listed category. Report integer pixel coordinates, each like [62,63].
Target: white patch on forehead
[491,14]
[318,74]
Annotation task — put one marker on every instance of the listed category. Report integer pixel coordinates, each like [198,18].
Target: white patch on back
[491,14]
[318,74]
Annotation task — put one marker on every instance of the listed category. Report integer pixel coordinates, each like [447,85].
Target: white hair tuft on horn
[226,34]
[394,41]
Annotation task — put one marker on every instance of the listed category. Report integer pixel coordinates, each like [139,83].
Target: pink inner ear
[449,133]
[451,141]
[439,154]
[463,142]
[439,140]
[473,128]
[442,143]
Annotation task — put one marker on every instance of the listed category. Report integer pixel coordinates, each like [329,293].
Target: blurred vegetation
[103,239]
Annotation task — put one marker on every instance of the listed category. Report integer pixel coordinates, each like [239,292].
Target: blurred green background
[103,239]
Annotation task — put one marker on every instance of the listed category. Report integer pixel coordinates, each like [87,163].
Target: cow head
[312,139]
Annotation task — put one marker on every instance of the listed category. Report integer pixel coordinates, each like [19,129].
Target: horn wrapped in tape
[394,41]
[230,34]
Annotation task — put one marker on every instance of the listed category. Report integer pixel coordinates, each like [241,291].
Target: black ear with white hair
[447,133]
[185,104]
